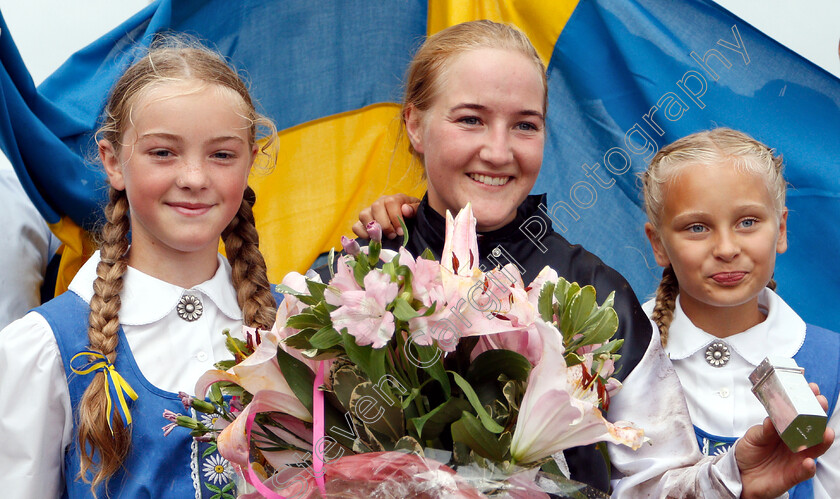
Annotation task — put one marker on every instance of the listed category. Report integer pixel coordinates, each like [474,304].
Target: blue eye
[469,120]
[526,126]
[223,155]
[748,223]
[696,229]
[160,153]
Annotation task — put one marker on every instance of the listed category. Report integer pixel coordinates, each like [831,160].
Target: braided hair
[170,59]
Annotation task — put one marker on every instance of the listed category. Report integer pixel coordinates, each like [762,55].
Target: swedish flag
[625,78]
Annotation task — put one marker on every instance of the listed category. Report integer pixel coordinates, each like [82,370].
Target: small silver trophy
[779,383]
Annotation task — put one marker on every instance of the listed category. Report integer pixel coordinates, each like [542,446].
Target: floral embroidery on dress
[711,447]
[213,474]
[217,470]
[210,419]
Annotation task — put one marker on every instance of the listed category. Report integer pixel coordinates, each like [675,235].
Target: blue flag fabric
[625,78]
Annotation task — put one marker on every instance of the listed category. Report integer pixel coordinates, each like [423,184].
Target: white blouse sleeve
[36,422]
[671,464]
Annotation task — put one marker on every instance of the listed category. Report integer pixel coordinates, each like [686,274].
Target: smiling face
[481,140]
[184,164]
[720,232]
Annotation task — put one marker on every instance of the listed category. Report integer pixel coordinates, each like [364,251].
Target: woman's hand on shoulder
[768,468]
[387,210]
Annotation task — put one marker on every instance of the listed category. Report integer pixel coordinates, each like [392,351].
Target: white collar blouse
[171,353]
[719,398]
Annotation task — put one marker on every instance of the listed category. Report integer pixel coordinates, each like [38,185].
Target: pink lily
[460,248]
[473,305]
[232,441]
[558,413]
[259,372]
[525,341]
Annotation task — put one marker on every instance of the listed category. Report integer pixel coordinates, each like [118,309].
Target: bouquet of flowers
[405,376]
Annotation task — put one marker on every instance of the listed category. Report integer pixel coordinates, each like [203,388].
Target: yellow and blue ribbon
[121,386]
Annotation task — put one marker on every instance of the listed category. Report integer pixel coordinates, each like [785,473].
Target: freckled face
[482,138]
[184,166]
[720,232]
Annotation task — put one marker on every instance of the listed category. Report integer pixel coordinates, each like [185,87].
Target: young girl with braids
[143,319]
[716,207]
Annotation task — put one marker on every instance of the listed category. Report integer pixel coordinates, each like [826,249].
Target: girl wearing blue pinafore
[715,201]
[91,373]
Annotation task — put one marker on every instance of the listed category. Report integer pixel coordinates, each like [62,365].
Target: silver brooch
[717,354]
[190,308]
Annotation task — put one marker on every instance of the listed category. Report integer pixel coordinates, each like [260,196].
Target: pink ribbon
[318,429]
[251,476]
[317,436]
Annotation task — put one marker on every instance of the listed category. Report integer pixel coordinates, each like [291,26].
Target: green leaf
[374,248]
[602,330]
[470,431]
[229,486]
[211,449]
[390,268]
[492,363]
[513,392]
[405,231]
[389,426]
[303,297]
[304,321]
[224,365]
[370,360]
[299,377]
[361,269]
[436,371]
[430,425]
[316,289]
[573,359]
[213,487]
[430,310]
[345,380]
[486,420]
[403,311]
[326,337]
[581,308]
[561,290]
[331,262]
[300,340]
[216,394]
[235,346]
[322,312]
[611,347]
[286,290]
[408,444]
[566,320]
[428,255]
[545,304]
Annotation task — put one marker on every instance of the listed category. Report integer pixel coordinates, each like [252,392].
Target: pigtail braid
[94,434]
[248,270]
[666,300]
[772,284]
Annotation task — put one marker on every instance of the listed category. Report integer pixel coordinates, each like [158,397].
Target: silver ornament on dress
[190,308]
[717,354]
